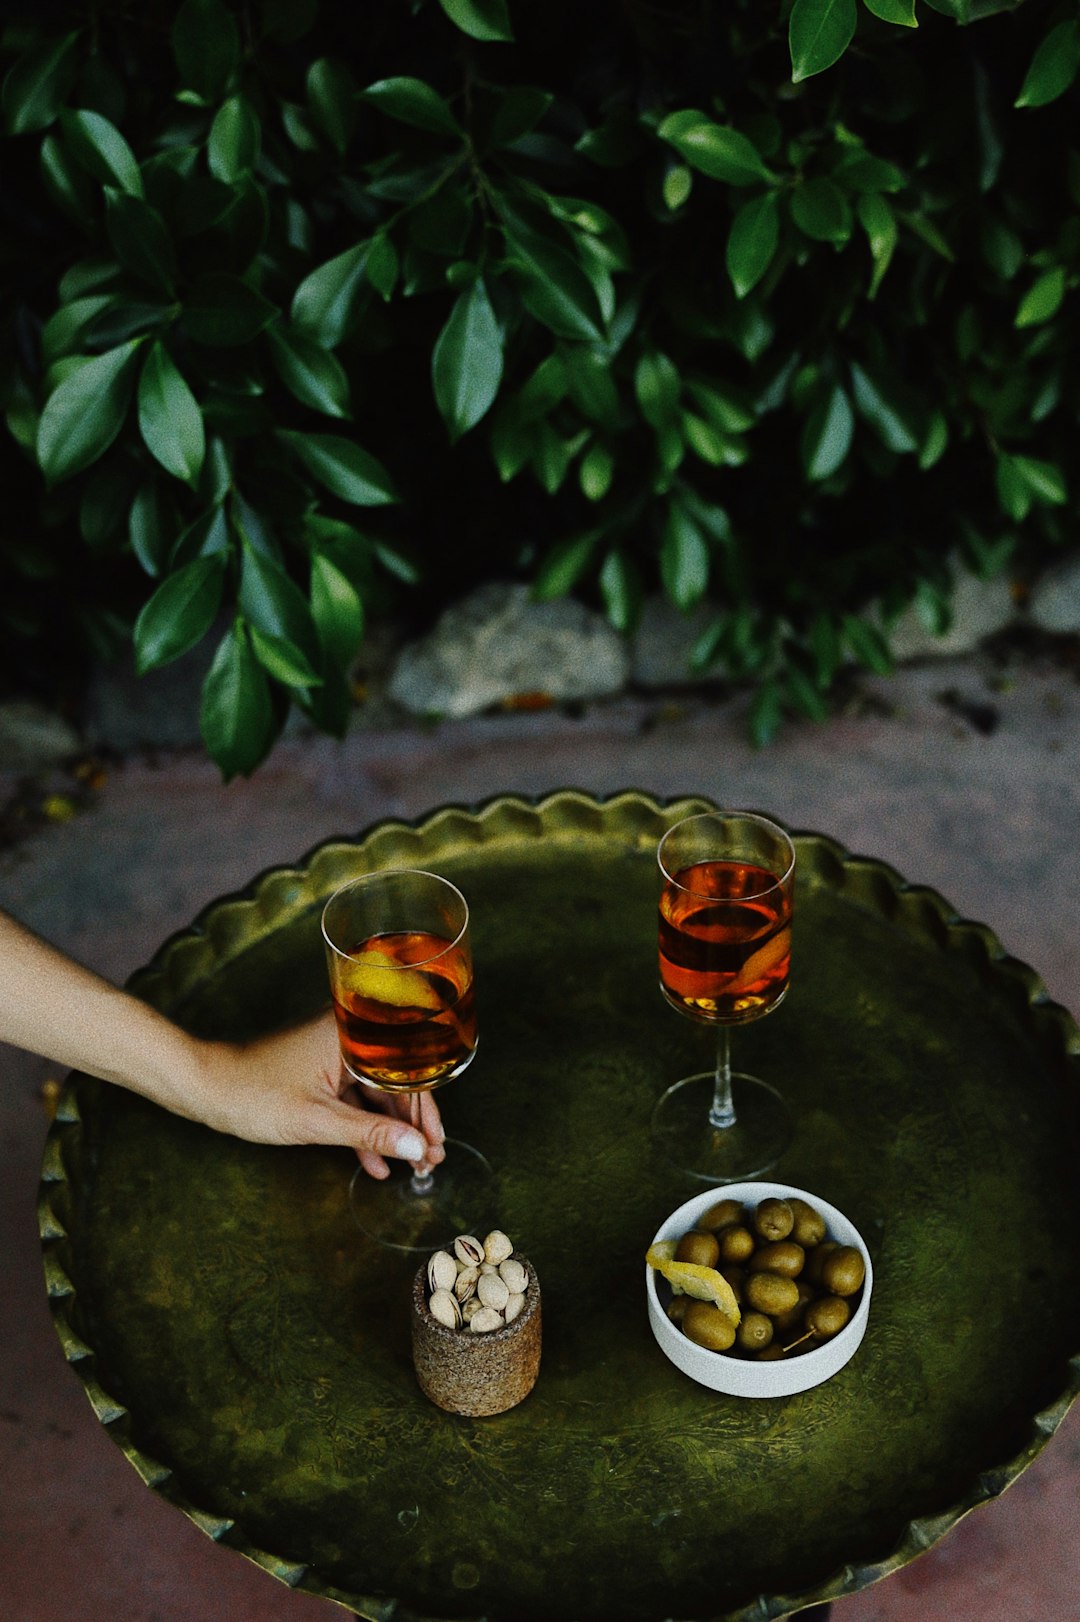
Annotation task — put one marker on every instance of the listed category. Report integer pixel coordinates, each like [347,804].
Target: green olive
[779,1257]
[676,1308]
[736,1277]
[755,1332]
[809,1227]
[699,1248]
[720,1215]
[771,1354]
[787,1322]
[827,1316]
[843,1271]
[815,1259]
[707,1326]
[771,1292]
[736,1244]
[774,1219]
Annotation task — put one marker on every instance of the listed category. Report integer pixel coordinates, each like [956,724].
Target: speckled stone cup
[474,1374]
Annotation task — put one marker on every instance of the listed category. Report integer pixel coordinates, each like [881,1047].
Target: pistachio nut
[468,1249]
[444,1309]
[492,1291]
[514,1305]
[442,1270]
[472,1306]
[513,1276]
[484,1321]
[465,1282]
[497,1246]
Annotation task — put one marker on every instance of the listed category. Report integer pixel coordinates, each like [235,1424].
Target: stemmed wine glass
[401,978]
[727,885]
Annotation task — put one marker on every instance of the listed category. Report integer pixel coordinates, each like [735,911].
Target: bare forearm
[54,1006]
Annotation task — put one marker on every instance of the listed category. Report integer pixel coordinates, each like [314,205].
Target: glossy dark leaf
[561,569]
[101,150]
[828,434]
[715,149]
[37,84]
[413,102]
[481,19]
[331,93]
[323,302]
[337,609]
[553,286]
[867,644]
[879,222]
[887,415]
[179,613]
[900,12]
[467,362]
[64,332]
[282,659]
[236,714]
[819,32]
[684,558]
[621,590]
[272,602]
[766,713]
[590,384]
[821,211]
[596,472]
[232,149]
[312,374]
[148,528]
[1043,298]
[170,421]
[206,45]
[343,467]
[658,387]
[752,242]
[84,413]
[67,182]
[1053,67]
[382,265]
[139,239]
[224,311]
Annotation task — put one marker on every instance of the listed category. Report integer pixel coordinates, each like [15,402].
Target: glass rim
[385,873]
[762,822]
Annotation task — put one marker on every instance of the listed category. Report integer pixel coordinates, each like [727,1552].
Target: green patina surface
[261,1346]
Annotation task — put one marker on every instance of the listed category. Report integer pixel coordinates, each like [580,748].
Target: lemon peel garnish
[660,1252]
[380,978]
[690,1278]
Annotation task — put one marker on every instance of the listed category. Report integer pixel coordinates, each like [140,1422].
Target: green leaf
[223,312]
[382,265]
[554,288]
[481,19]
[621,590]
[879,222]
[591,385]
[314,376]
[283,660]
[803,694]
[206,44]
[169,417]
[1045,480]
[716,150]
[324,299]
[1043,299]
[684,558]
[337,609]
[935,442]
[564,566]
[139,239]
[766,712]
[84,413]
[1053,67]
[467,361]
[331,93]
[272,602]
[413,102]
[342,467]
[64,331]
[658,387]
[819,32]
[828,434]
[37,85]
[752,241]
[236,714]
[678,184]
[232,149]
[861,171]
[103,152]
[900,12]
[179,613]
[867,644]
[66,182]
[596,472]
[148,528]
[884,415]
[821,211]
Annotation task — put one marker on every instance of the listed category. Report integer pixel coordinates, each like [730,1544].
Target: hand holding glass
[401,979]
[727,883]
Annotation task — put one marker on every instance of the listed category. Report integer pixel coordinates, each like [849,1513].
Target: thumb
[367,1132]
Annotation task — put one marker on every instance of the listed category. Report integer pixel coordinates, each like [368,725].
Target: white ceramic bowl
[740,1377]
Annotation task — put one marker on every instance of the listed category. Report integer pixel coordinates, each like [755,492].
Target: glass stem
[423,1178]
[722,1111]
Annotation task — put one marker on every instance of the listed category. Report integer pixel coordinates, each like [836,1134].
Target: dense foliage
[771,305]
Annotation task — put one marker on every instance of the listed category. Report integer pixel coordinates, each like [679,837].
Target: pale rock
[32,736]
[661,646]
[980,609]
[497,644]
[1054,604]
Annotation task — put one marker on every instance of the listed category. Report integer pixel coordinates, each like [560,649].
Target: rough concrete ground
[965,785]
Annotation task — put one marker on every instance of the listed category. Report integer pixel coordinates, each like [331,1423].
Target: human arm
[286,1088]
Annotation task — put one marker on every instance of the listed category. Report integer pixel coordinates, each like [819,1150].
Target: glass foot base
[461,1196]
[758,1137]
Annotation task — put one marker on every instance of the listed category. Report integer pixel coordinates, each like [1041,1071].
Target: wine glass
[727,883]
[401,979]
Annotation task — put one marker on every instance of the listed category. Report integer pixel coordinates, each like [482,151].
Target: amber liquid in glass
[725,941]
[404,1028]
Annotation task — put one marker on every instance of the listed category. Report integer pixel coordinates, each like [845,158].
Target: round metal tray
[250,1354]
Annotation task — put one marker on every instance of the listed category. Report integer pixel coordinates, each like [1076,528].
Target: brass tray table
[249,1351]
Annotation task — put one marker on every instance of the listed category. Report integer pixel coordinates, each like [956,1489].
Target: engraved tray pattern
[249,1352]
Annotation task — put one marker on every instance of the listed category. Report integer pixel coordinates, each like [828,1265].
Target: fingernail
[411,1146]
